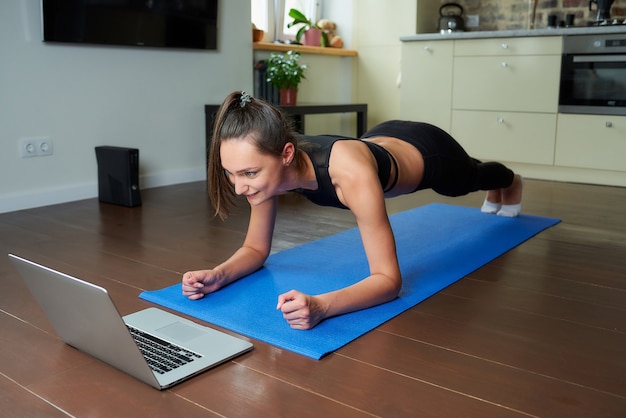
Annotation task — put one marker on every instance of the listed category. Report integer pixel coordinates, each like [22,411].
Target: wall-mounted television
[150,23]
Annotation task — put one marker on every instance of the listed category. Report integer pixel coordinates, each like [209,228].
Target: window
[261,13]
[272,16]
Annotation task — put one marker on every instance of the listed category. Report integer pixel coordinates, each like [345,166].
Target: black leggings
[448,169]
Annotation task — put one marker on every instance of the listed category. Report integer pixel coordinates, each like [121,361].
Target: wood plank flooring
[540,331]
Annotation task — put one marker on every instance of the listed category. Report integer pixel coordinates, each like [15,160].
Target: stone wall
[516,14]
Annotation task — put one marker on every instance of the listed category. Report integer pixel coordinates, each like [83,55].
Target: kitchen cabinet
[506,136]
[507,74]
[498,96]
[505,98]
[545,45]
[426,93]
[510,83]
[591,141]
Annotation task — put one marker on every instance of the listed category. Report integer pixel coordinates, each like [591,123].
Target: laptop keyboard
[161,355]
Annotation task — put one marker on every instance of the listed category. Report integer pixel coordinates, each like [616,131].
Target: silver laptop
[154,346]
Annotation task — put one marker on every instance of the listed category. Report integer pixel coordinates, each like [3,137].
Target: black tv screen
[153,23]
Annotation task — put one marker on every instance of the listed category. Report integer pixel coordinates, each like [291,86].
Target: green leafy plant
[284,71]
[300,19]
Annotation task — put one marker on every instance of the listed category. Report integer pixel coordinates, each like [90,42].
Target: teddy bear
[330,27]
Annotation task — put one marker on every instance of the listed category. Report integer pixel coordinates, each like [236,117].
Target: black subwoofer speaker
[118,175]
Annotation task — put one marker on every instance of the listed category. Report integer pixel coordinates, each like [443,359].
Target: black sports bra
[319,152]
[384,159]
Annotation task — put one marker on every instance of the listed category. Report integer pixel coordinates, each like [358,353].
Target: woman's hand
[198,283]
[301,311]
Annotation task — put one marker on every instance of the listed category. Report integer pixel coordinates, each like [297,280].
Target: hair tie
[245,98]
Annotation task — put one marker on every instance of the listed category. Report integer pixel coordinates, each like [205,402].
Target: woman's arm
[356,181]
[247,259]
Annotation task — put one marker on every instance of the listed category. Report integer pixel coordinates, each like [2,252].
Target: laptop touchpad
[180,332]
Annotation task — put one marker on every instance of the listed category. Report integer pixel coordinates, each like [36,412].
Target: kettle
[604,9]
[452,21]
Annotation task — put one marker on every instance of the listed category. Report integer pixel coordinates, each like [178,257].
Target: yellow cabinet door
[591,141]
[537,45]
[502,136]
[426,88]
[511,83]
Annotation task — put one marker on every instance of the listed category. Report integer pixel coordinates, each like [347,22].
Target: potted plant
[285,72]
[313,34]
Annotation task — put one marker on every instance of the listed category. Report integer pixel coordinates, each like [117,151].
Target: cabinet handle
[500,119]
[505,45]
[504,64]
[427,49]
[608,124]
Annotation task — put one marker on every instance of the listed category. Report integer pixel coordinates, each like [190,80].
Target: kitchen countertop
[586,30]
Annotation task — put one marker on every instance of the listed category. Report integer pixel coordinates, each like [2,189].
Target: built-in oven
[593,74]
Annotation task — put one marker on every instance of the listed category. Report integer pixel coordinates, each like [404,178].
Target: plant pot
[312,37]
[288,97]
[257,35]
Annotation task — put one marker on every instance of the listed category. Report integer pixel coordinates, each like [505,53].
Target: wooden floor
[540,331]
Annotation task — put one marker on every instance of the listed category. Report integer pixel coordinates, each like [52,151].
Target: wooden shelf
[269,46]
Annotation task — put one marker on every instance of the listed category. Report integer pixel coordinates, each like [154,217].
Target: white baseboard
[52,196]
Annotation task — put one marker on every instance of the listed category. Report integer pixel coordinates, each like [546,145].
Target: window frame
[277,14]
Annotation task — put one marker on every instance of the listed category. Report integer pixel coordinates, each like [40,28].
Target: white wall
[84,96]
[329,79]
[152,99]
[377,31]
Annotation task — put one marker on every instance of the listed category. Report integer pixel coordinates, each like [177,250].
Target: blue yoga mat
[437,245]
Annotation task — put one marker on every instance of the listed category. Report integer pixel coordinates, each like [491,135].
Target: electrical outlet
[35,147]
[472,21]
